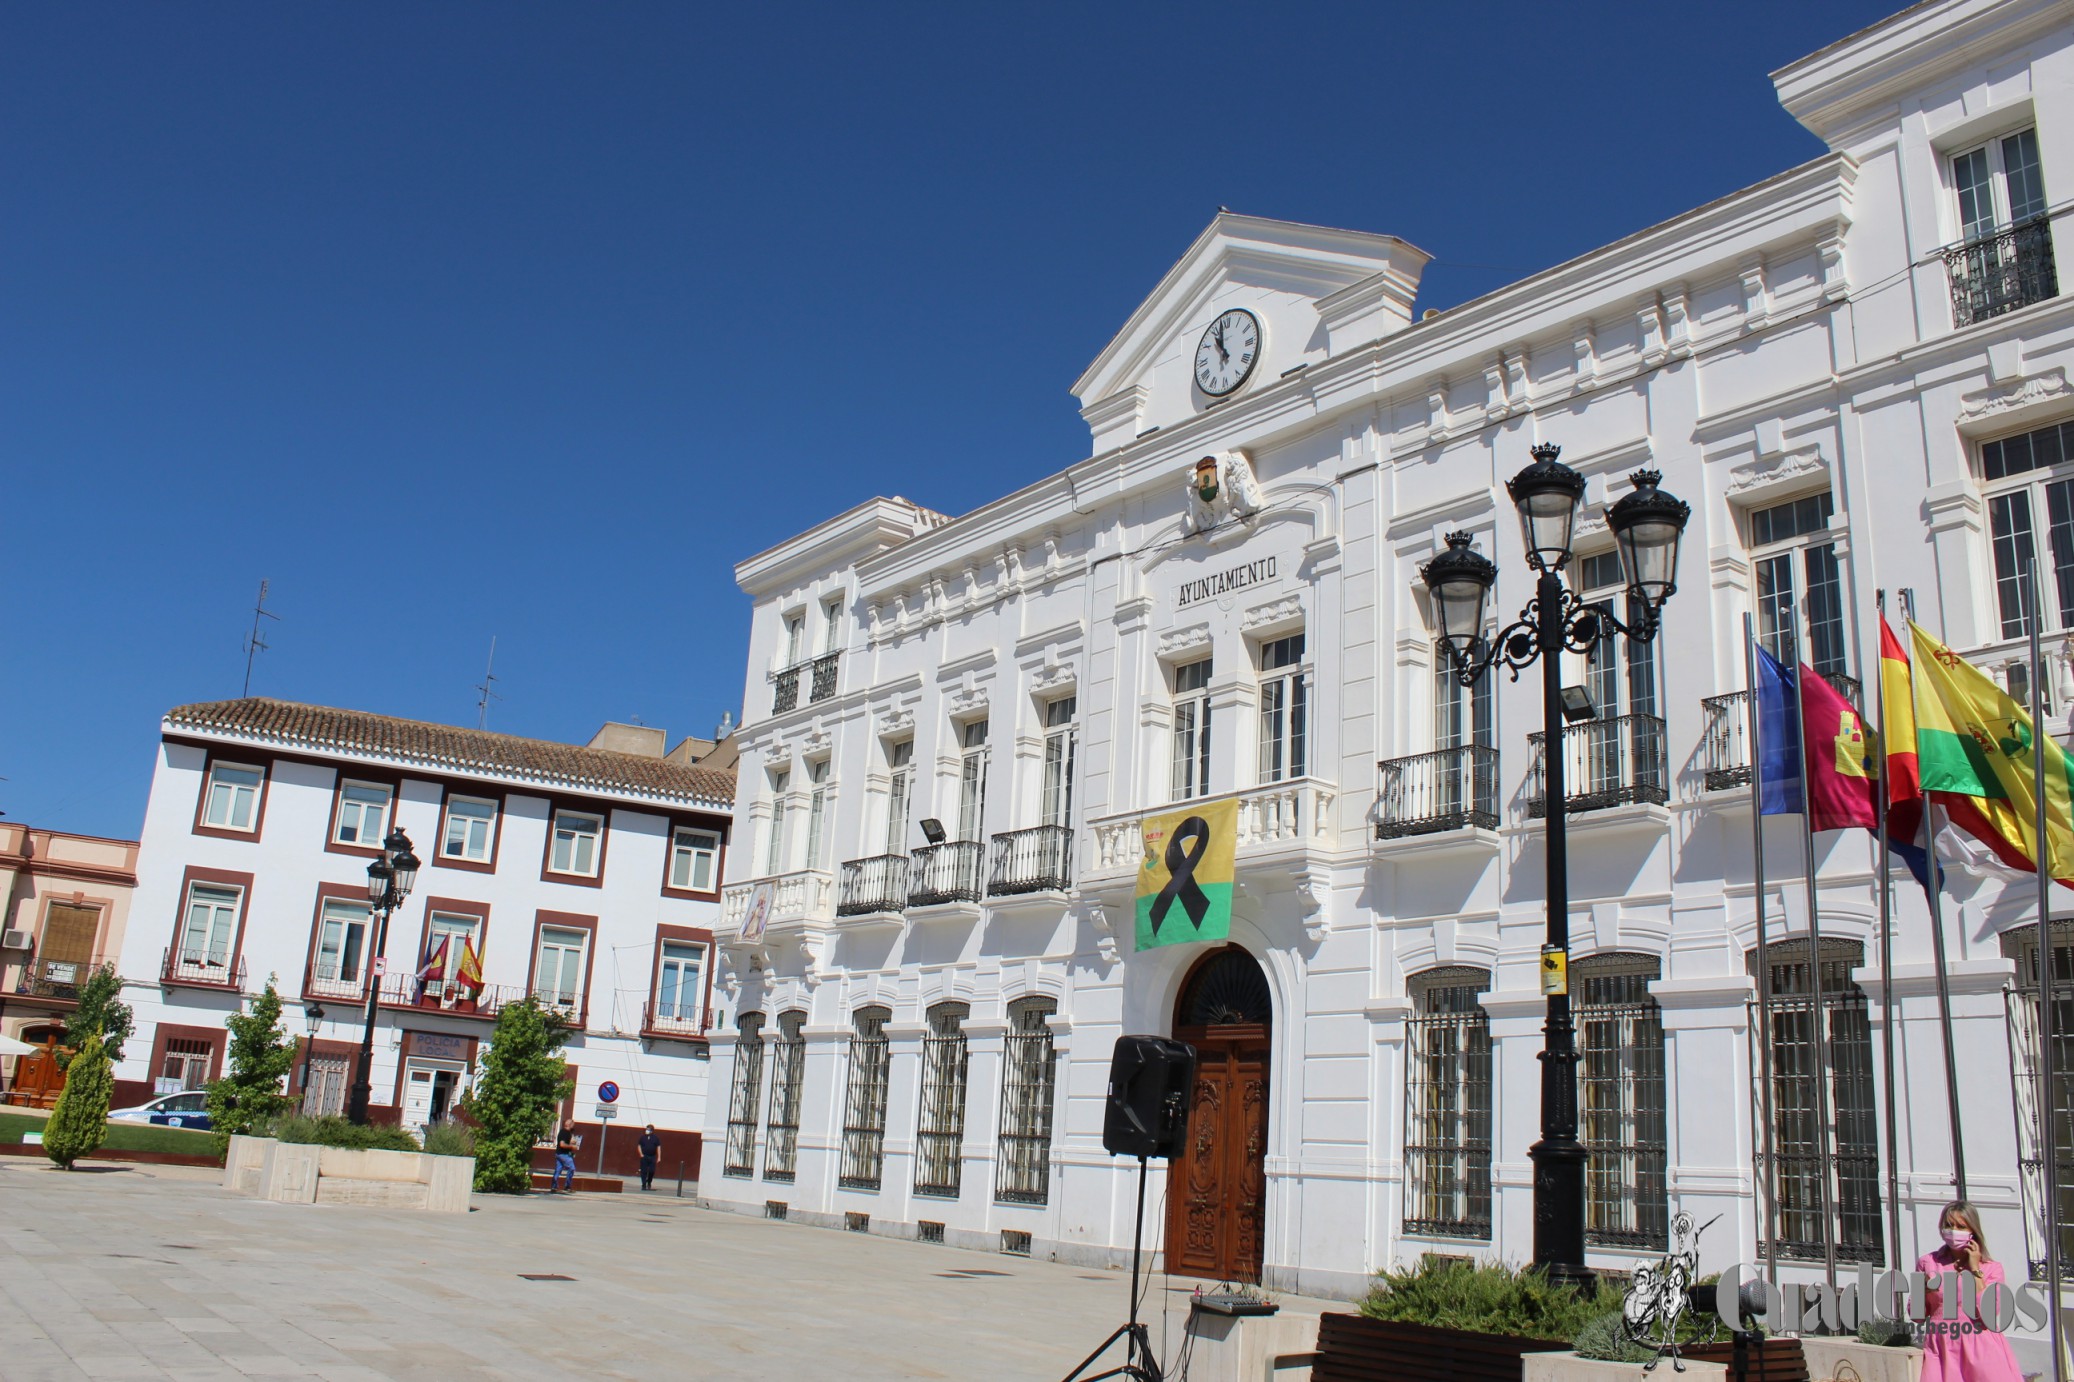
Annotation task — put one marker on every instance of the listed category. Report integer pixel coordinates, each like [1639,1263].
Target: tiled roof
[451,749]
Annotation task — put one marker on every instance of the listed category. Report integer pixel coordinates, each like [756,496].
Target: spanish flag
[1905,803]
[468,973]
[1185,884]
[1974,751]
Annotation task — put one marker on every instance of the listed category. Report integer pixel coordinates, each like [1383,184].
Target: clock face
[1228,352]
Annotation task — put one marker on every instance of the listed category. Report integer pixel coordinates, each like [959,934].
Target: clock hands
[1222,353]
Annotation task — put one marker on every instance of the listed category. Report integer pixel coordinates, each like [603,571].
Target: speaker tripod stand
[1140,1363]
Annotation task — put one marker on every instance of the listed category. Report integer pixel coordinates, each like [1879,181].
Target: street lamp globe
[1547,494]
[313,1013]
[379,877]
[1648,524]
[1460,581]
[406,865]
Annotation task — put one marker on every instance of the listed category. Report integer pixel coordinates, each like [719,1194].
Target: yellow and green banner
[1185,881]
[1973,748]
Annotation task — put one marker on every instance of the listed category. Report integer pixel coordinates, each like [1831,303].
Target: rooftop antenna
[485,693]
[255,642]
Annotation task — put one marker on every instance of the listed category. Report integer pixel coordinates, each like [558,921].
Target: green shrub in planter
[1487,1297]
[1605,1340]
[334,1131]
[450,1137]
[1885,1333]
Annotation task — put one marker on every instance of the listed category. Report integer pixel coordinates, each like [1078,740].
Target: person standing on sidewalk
[566,1143]
[651,1147]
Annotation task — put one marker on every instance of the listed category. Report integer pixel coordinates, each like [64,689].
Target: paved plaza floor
[158,1272]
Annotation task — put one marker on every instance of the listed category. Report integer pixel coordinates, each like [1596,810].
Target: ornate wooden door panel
[1217,1190]
[1248,1208]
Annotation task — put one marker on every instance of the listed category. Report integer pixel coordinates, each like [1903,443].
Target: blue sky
[460,320]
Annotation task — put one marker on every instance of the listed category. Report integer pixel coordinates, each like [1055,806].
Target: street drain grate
[544,1276]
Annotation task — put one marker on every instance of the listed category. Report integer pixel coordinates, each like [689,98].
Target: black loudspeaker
[1151,1080]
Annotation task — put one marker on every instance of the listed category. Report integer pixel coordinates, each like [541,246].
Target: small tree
[101,1012]
[520,1083]
[261,1056]
[79,1122]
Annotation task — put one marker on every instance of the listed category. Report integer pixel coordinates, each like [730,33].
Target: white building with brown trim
[1857,372]
[588,874]
[66,903]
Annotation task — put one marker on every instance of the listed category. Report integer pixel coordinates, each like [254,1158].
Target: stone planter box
[1568,1367]
[1829,1359]
[301,1173]
[1249,1348]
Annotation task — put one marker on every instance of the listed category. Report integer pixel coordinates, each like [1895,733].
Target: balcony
[946,873]
[2001,272]
[674,1020]
[798,900]
[566,1002]
[54,979]
[1037,860]
[1725,742]
[873,887]
[449,997]
[327,980]
[818,674]
[1617,761]
[1431,793]
[1280,821]
[209,969]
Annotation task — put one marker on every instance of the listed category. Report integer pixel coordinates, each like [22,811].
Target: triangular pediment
[1319,291]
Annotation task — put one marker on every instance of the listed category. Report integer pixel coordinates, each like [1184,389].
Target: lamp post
[389,881]
[313,1013]
[1647,525]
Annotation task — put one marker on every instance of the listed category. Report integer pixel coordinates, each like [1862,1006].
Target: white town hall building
[1857,372]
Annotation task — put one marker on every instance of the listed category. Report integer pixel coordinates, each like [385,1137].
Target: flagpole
[1886,881]
[1942,963]
[1768,1183]
[2049,1150]
[1820,1032]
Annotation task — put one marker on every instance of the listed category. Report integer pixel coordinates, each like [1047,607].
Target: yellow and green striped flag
[1184,885]
[1973,745]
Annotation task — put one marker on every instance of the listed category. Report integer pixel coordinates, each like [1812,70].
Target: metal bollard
[680,1180]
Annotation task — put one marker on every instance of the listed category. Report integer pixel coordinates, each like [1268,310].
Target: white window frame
[694,859]
[2001,212]
[555,938]
[355,800]
[224,903]
[339,917]
[696,961]
[900,793]
[1284,710]
[567,862]
[2047,542]
[462,928]
[1190,773]
[973,757]
[775,842]
[832,624]
[486,819]
[817,812]
[795,638]
[1061,755]
[1824,625]
[235,795]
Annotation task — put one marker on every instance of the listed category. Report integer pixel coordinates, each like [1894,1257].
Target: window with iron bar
[864,1115]
[1023,1165]
[1621,1103]
[1798,1137]
[940,1136]
[2022,947]
[1447,1150]
[744,1096]
[788,1071]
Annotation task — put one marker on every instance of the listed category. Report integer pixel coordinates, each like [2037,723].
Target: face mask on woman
[1957,1237]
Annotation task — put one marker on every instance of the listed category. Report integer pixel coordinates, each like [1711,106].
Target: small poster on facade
[1185,883]
[759,913]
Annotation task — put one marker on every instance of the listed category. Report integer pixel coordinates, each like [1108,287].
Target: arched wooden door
[1217,1188]
[37,1079]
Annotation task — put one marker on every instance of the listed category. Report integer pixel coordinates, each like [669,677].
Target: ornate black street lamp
[1647,525]
[389,881]
[313,1014]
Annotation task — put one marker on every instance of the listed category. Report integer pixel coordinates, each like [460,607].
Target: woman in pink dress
[1956,1348]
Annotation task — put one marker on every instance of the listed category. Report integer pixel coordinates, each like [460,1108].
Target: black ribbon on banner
[1181,886]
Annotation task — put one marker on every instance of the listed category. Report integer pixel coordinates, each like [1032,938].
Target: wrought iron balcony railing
[872,887]
[785,694]
[327,979]
[1447,789]
[946,873]
[1611,762]
[819,675]
[1037,860]
[1725,747]
[823,685]
[52,979]
[674,1019]
[447,996]
[2002,271]
[203,968]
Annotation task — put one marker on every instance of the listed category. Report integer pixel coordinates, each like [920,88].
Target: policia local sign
[1184,886]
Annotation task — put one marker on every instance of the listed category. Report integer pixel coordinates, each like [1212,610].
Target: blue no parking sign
[608,1092]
